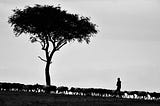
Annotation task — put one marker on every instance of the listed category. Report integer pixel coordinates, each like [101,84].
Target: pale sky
[127,46]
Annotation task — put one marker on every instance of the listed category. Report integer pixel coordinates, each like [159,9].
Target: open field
[10,98]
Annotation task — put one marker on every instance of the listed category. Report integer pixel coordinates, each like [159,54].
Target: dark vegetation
[52,27]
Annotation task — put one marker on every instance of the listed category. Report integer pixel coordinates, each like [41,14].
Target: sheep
[29,88]
[73,90]
[6,86]
[16,87]
[38,88]
[100,92]
[154,95]
[142,94]
[79,91]
[110,93]
[131,94]
[88,91]
[62,89]
[97,92]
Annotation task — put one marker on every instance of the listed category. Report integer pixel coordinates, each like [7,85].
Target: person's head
[118,79]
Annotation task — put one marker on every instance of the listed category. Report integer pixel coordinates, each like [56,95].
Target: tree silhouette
[52,27]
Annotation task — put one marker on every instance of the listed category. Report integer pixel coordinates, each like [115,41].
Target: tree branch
[53,43]
[47,47]
[43,59]
[62,44]
[43,45]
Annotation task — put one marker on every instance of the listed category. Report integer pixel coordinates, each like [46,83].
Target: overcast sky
[127,46]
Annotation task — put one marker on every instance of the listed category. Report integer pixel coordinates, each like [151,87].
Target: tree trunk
[48,80]
[48,62]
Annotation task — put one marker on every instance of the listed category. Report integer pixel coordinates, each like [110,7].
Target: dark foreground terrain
[11,98]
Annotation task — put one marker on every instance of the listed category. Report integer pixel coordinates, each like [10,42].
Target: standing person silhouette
[118,90]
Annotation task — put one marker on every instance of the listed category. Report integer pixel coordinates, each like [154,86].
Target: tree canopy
[50,21]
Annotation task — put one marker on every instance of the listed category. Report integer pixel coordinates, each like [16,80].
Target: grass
[40,99]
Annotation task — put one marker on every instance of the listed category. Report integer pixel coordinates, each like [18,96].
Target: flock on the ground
[37,88]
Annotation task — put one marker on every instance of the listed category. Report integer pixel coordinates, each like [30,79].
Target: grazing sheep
[62,89]
[142,94]
[79,91]
[131,94]
[30,88]
[73,90]
[111,93]
[97,92]
[1,87]
[6,86]
[101,92]
[16,87]
[38,88]
[154,95]
[88,91]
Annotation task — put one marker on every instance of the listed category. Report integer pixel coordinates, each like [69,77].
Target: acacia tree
[52,27]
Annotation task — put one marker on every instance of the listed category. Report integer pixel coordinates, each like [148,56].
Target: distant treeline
[37,88]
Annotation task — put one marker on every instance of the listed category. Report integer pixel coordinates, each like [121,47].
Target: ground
[41,99]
